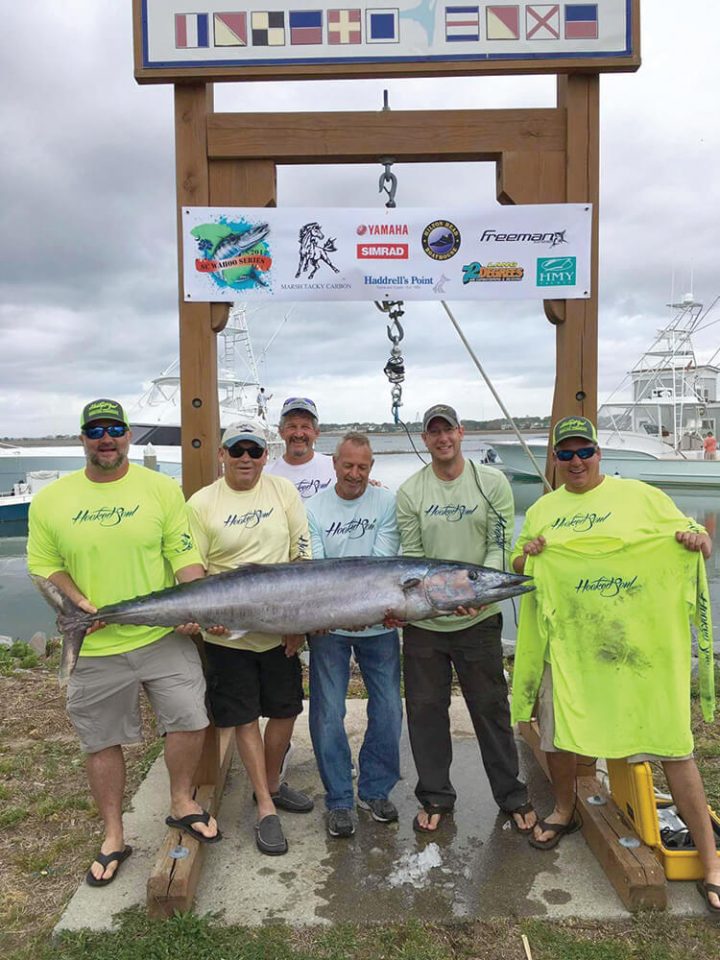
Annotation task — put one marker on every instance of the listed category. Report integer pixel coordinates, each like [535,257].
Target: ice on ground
[413,868]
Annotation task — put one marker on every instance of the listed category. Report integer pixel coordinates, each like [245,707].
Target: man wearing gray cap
[249,517]
[454,509]
[309,471]
[104,534]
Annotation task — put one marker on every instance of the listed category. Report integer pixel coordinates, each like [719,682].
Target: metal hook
[388,183]
[395,338]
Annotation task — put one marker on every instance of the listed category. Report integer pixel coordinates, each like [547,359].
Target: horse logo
[312,253]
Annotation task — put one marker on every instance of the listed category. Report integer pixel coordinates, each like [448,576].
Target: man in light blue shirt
[355,519]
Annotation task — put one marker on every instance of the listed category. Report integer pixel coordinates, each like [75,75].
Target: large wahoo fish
[350,592]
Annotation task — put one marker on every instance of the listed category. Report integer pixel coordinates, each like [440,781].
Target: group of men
[115,530]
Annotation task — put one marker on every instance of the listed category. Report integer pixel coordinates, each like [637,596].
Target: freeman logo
[556,271]
[554,238]
[477,273]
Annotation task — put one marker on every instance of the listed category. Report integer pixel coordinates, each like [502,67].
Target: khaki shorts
[546,722]
[104,693]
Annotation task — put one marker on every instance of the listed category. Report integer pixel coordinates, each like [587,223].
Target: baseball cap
[574,427]
[102,410]
[299,403]
[250,430]
[441,410]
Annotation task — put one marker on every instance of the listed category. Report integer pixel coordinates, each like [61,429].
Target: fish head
[453,585]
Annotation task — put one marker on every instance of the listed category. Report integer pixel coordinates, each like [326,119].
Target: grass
[49,830]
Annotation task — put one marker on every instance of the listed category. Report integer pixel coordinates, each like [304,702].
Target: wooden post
[198,346]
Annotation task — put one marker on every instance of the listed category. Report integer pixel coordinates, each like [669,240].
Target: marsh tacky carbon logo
[312,252]
[478,273]
[441,240]
[556,271]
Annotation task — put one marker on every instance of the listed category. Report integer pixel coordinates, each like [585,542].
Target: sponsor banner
[539,251]
[259,36]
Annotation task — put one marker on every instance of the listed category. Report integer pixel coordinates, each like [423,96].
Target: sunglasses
[253,451]
[114,430]
[584,453]
[301,399]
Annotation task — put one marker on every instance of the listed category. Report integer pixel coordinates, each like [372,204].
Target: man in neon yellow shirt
[107,533]
[249,517]
[599,512]
[453,509]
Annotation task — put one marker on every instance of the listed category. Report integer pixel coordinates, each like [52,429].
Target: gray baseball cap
[299,403]
[441,410]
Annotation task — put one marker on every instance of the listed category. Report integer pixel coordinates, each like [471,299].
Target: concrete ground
[476,866]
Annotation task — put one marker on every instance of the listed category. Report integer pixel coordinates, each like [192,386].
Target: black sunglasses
[114,430]
[253,451]
[584,453]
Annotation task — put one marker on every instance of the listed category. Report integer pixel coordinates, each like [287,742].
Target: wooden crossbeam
[363,137]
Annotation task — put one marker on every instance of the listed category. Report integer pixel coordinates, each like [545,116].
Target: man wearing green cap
[606,638]
[103,534]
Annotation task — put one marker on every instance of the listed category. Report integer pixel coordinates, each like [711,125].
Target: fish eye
[472,574]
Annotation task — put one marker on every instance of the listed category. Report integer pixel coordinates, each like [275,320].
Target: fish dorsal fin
[409,582]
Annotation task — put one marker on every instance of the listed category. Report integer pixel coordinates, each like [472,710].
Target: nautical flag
[581,21]
[230,29]
[268,28]
[305,26]
[191,30]
[503,22]
[344,26]
[462,23]
[542,21]
[382,26]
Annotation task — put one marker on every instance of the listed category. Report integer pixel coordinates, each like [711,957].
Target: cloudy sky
[87,225]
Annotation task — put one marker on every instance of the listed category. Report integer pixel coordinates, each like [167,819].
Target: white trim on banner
[539,251]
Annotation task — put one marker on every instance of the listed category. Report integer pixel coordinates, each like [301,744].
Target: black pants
[476,653]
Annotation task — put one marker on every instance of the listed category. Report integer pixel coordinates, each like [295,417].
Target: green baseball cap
[574,427]
[102,410]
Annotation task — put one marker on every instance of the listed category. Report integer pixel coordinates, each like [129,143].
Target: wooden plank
[198,347]
[364,137]
[636,874]
[172,883]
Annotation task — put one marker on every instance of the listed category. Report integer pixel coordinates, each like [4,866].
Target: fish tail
[72,622]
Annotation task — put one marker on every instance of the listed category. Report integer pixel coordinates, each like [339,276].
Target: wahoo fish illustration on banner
[539,251]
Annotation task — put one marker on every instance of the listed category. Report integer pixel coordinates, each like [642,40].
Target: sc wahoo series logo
[556,271]
[441,240]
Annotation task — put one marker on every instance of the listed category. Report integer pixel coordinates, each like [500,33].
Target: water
[23,611]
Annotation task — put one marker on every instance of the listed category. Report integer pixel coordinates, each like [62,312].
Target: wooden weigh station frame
[548,155]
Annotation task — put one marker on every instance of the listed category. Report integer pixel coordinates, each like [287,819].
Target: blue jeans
[379,660]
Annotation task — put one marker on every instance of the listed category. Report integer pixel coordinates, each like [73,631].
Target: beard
[108,465]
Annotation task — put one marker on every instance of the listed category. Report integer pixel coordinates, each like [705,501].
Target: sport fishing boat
[657,434]
[155,423]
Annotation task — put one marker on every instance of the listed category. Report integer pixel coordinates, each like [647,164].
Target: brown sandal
[559,830]
[524,810]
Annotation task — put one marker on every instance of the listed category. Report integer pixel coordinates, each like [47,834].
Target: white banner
[292,253]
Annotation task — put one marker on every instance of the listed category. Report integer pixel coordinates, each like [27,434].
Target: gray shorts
[103,700]
[546,722]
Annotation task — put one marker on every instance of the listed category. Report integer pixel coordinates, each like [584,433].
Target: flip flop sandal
[705,888]
[186,825]
[525,809]
[431,812]
[559,830]
[105,859]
